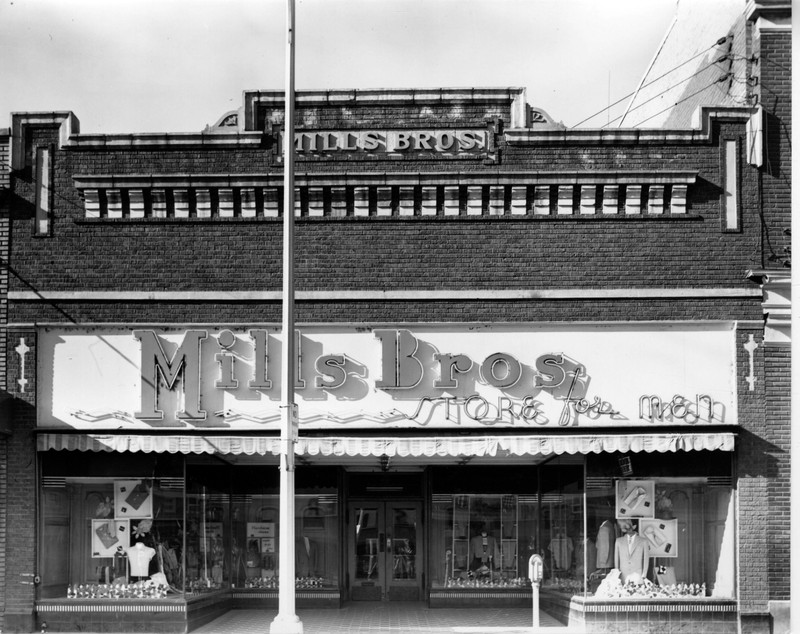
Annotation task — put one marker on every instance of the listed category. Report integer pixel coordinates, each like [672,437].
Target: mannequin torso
[139,557]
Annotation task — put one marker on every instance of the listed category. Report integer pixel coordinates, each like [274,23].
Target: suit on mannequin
[305,557]
[631,554]
[606,537]
[483,548]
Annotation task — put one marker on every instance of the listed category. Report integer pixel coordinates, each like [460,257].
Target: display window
[233,528]
[137,528]
[680,544]
[481,537]
[661,527]
[562,541]
[110,536]
[649,527]
[478,539]
[255,531]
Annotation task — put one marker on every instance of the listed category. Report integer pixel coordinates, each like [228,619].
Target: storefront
[513,339]
[433,461]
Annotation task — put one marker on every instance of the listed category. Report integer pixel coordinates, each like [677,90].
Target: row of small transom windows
[477,200]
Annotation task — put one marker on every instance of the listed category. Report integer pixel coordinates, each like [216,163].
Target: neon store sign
[421,384]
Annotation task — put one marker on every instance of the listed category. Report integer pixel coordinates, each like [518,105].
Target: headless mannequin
[631,553]
[483,548]
[606,538]
[139,557]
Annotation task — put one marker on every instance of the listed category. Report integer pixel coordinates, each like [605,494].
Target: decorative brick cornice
[602,194]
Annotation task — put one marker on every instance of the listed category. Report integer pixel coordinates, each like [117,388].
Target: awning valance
[393,447]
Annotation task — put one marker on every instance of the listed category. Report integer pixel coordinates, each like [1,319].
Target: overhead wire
[666,90]
[719,42]
[680,101]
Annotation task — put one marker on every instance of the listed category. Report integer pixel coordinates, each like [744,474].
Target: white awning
[393,447]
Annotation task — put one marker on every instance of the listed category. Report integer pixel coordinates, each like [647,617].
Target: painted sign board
[399,376]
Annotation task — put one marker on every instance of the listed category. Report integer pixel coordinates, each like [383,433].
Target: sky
[179,65]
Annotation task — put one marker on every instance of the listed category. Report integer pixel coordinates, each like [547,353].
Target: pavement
[405,618]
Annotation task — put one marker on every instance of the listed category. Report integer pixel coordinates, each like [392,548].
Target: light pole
[286,621]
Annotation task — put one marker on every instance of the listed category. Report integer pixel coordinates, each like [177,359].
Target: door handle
[389,543]
[381,541]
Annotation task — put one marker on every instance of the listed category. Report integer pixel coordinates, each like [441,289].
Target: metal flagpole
[286,621]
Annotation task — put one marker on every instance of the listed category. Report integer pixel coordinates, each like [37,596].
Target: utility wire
[674,68]
[680,101]
[666,90]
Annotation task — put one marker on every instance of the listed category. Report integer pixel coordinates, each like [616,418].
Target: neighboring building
[505,327]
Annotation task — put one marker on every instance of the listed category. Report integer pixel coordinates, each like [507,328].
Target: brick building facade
[506,327]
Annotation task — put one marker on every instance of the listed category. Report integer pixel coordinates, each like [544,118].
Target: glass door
[385,551]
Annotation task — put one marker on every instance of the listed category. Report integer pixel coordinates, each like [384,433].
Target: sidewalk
[405,618]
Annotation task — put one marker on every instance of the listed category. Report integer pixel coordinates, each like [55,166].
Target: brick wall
[373,253]
[778,405]
[773,48]
[3,525]
[20,507]
[751,479]
[775,61]
[5,183]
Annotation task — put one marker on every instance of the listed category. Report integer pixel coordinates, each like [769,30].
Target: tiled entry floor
[406,618]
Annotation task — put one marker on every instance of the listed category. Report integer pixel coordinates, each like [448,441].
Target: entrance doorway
[385,550]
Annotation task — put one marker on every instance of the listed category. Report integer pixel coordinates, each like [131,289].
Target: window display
[565,546]
[316,544]
[476,541]
[671,537]
[127,537]
[111,537]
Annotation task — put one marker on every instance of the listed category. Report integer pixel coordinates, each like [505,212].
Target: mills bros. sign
[452,142]
[446,376]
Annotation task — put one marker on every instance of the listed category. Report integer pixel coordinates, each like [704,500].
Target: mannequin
[591,557]
[305,560]
[631,553]
[139,557]
[561,547]
[482,548]
[606,537]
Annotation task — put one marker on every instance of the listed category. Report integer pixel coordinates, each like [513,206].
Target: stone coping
[70,137]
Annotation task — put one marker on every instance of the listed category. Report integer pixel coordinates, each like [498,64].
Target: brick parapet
[688,251]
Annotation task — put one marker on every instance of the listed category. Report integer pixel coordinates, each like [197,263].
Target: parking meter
[535,574]
[535,569]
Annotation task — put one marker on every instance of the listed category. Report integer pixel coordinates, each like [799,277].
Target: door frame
[385,587]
